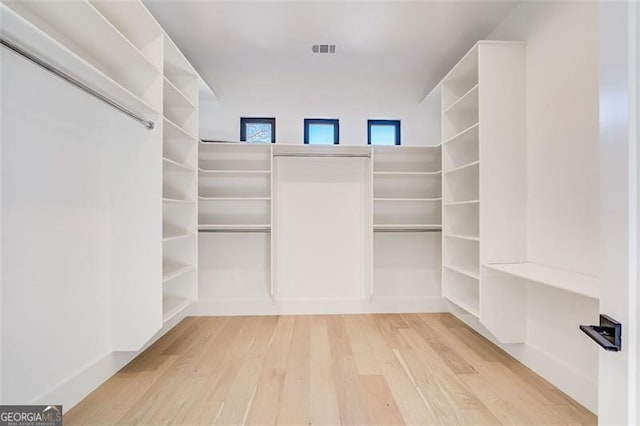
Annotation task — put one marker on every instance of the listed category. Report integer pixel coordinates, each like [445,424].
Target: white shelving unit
[119,50]
[483,166]
[406,187]
[407,200]
[175,89]
[180,184]
[235,211]
[235,186]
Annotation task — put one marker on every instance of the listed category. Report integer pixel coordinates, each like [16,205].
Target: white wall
[562,130]
[291,102]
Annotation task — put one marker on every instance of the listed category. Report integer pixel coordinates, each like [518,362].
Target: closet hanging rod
[322,155]
[247,230]
[66,77]
[408,230]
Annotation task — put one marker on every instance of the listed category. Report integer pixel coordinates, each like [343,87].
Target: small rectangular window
[257,130]
[321,131]
[383,132]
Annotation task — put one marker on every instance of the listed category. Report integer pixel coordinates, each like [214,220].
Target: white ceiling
[410,44]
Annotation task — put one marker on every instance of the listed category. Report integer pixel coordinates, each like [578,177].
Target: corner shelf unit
[483,166]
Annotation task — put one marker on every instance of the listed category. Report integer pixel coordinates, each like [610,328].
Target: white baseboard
[556,371]
[234,307]
[85,381]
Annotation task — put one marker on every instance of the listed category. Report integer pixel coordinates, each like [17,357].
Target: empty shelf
[463,237]
[242,227]
[35,40]
[174,132]
[174,98]
[463,304]
[234,198]
[469,134]
[174,270]
[238,172]
[174,166]
[416,227]
[463,167]
[407,199]
[462,203]
[437,172]
[466,102]
[573,282]
[463,271]
[171,236]
[177,201]
[173,305]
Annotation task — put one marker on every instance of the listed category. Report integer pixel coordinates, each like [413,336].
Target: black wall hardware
[608,334]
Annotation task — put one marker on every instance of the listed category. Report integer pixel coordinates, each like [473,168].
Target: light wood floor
[349,369]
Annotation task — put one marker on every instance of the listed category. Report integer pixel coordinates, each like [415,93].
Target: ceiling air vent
[323,48]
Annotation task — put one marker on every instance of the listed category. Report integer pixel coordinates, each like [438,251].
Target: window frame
[385,122]
[257,120]
[333,121]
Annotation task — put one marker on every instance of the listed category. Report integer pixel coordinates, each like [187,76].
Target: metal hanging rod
[322,155]
[238,231]
[408,230]
[69,79]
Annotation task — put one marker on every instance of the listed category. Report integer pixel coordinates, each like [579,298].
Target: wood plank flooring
[341,369]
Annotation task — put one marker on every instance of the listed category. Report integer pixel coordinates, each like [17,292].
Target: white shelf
[172,306]
[467,135]
[462,237]
[173,166]
[234,198]
[463,167]
[408,199]
[171,236]
[174,98]
[462,203]
[320,149]
[86,31]
[466,102]
[463,304]
[573,282]
[238,227]
[437,173]
[174,270]
[177,201]
[14,27]
[231,172]
[173,131]
[382,226]
[208,147]
[467,272]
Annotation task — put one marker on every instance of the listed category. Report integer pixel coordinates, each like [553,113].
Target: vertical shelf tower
[483,171]
[180,182]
